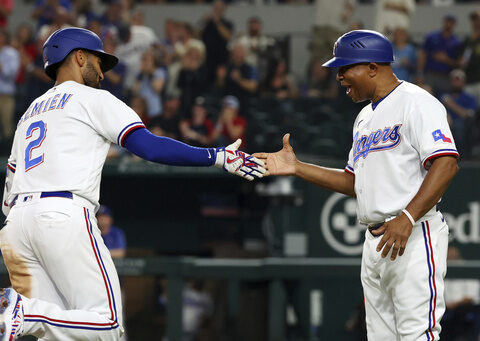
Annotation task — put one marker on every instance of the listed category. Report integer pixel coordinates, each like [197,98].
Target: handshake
[258,165]
[234,161]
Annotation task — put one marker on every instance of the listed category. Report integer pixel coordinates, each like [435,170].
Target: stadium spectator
[405,55]
[230,125]
[61,19]
[171,37]
[95,25]
[216,31]
[461,320]
[393,14]
[150,82]
[113,236]
[439,56]
[239,79]
[139,105]
[83,12]
[186,39]
[331,19]
[46,10]
[280,83]
[256,45]
[321,82]
[9,66]
[6,8]
[461,109]
[470,60]
[25,45]
[134,41]
[167,124]
[192,77]
[198,129]
[37,81]
[112,16]
[114,79]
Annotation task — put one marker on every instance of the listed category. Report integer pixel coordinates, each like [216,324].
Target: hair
[6,33]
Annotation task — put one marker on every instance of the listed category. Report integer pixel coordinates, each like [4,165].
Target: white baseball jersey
[394,141]
[62,140]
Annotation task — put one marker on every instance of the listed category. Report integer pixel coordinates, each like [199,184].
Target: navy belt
[374,227]
[60,194]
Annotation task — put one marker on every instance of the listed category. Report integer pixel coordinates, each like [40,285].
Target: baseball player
[65,286]
[402,160]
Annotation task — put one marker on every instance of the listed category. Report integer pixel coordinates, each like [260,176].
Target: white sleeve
[429,131]
[112,118]
[349,166]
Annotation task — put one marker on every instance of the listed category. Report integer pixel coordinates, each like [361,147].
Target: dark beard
[90,77]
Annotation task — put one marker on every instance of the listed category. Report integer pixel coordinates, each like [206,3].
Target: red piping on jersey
[438,155]
[135,127]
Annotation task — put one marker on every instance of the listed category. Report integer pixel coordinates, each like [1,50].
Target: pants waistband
[428,215]
[25,198]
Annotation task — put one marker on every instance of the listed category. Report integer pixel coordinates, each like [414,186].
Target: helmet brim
[338,62]
[108,61]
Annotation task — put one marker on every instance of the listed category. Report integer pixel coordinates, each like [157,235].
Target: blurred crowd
[197,83]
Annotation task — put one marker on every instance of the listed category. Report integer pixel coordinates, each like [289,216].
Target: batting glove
[237,162]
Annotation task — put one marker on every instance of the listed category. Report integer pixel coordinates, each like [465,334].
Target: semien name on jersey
[54,102]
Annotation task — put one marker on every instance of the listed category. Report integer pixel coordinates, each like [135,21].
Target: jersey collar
[375,104]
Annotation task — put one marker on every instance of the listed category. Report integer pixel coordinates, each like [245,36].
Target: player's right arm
[285,162]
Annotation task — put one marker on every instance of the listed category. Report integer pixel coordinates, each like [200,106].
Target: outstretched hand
[234,161]
[282,162]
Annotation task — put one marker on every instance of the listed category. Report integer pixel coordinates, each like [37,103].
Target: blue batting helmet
[361,46]
[62,42]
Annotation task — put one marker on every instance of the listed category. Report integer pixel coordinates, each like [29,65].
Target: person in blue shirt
[113,237]
[405,55]
[439,55]
[461,109]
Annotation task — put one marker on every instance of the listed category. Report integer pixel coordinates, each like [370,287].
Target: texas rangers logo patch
[439,136]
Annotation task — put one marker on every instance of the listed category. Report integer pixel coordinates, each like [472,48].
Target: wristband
[409,216]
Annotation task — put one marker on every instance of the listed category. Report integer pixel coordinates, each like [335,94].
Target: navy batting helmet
[361,46]
[64,41]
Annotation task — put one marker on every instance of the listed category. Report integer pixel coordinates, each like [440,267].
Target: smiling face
[356,79]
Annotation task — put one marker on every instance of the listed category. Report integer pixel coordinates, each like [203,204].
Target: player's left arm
[172,152]
[397,231]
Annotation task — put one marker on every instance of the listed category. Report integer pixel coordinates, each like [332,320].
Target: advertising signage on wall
[338,232]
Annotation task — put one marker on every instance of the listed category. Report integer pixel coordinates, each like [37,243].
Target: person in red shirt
[230,125]
[198,129]
[6,8]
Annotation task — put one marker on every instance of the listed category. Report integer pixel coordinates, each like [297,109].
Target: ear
[80,57]
[372,69]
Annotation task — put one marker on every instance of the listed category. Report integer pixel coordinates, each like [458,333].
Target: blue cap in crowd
[231,101]
[104,210]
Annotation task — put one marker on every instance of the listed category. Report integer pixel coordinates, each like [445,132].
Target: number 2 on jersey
[29,161]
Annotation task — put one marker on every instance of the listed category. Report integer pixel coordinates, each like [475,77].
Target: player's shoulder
[414,94]
[86,93]
[417,101]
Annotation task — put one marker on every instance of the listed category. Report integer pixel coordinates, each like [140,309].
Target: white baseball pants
[404,298]
[58,262]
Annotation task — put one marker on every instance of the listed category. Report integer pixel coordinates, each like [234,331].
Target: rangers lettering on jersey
[388,138]
[57,101]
